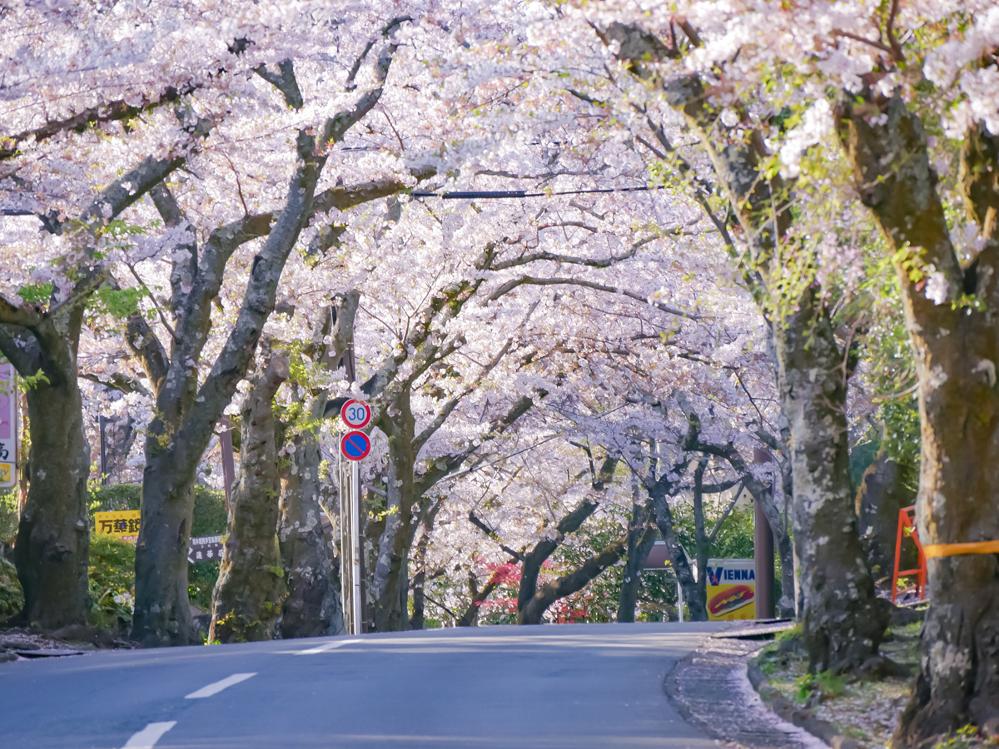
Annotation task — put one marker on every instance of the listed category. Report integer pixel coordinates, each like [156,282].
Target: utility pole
[763,550]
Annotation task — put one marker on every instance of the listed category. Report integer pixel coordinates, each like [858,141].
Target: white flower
[937,288]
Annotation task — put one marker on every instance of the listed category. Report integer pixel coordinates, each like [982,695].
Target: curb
[710,691]
[795,714]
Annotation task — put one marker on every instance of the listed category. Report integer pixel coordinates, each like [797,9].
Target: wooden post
[763,552]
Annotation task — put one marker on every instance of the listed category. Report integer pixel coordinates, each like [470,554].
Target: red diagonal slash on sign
[355,446]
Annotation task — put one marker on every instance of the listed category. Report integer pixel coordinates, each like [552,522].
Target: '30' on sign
[355,414]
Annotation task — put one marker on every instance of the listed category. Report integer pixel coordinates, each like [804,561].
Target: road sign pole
[345,545]
[355,532]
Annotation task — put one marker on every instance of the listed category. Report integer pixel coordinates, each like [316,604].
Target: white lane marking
[327,647]
[218,686]
[148,736]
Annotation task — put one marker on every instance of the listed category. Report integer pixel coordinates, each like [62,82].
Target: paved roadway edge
[712,690]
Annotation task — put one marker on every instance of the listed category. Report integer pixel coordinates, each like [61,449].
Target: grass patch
[865,710]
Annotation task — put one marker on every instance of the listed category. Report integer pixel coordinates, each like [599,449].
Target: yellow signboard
[122,524]
[731,589]
[7,475]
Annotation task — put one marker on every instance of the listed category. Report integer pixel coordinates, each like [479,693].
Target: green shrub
[201,582]
[112,582]
[114,497]
[817,687]
[8,517]
[11,597]
[209,512]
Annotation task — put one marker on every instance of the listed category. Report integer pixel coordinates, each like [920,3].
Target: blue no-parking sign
[355,445]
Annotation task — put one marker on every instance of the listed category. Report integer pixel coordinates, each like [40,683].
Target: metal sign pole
[355,542]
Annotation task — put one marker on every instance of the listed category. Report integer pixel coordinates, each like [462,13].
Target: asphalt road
[547,687]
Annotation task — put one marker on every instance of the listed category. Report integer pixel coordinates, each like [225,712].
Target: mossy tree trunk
[53,532]
[313,605]
[247,599]
[955,342]
[843,621]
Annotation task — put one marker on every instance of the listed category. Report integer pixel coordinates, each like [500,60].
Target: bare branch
[512,284]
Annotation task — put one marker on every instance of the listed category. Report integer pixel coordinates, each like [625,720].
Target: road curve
[549,687]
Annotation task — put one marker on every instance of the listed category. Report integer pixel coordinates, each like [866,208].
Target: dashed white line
[148,736]
[327,647]
[218,686]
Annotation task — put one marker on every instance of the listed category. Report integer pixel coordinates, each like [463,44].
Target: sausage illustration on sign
[730,599]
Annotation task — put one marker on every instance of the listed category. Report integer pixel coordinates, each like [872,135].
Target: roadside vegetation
[611,277]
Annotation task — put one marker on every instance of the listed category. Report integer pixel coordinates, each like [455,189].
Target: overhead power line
[521,194]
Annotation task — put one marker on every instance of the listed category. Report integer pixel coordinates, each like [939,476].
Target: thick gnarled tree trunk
[54,530]
[247,599]
[843,621]
[955,348]
[313,605]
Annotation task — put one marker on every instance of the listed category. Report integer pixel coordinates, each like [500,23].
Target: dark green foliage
[889,377]
[11,597]
[8,517]
[201,582]
[209,513]
[112,582]
[735,539]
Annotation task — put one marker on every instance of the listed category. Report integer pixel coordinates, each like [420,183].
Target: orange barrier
[907,529]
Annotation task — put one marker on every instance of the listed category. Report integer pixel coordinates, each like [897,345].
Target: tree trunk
[470,616]
[641,537]
[843,621]
[313,605]
[53,534]
[678,558]
[247,599]
[397,538]
[162,613]
[534,610]
[955,348]
[879,498]
[420,563]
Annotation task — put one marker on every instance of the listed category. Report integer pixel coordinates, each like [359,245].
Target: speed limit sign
[355,414]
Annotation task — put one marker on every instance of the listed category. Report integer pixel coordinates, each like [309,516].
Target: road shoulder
[710,688]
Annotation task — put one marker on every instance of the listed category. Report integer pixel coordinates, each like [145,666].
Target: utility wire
[521,194]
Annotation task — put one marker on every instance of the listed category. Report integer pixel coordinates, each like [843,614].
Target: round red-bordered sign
[355,445]
[355,414]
